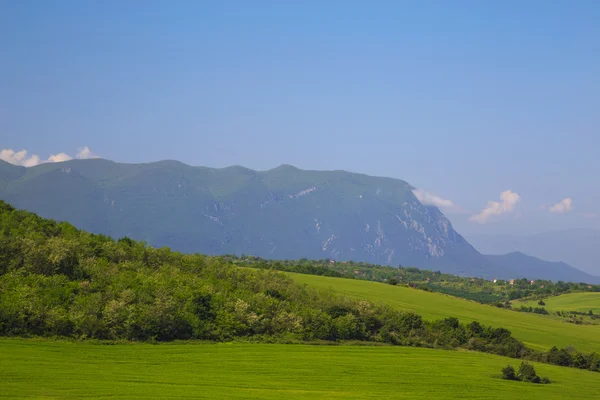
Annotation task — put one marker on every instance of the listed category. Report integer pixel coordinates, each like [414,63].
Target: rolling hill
[537,331]
[580,302]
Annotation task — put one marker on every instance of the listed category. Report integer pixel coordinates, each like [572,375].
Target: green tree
[527,372]
[508,372]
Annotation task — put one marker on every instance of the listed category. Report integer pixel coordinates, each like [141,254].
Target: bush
[526,374]
[508,373]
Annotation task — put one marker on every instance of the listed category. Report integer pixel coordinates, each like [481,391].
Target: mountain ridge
[535,268]
[284,212]
[576,246]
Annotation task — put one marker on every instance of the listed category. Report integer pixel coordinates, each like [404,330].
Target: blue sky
[464,99]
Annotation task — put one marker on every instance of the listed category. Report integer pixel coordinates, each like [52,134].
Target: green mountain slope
[283,213]
[580,302]
[537,331]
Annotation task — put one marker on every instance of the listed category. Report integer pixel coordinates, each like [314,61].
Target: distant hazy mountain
[577,247]
[281,213]
[284,213]
[534,268]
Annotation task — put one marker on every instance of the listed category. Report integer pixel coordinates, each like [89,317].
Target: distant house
[512,282]
[472,279]
[331,261]
[495,280]
[589,286]
[427,279]
[532,282]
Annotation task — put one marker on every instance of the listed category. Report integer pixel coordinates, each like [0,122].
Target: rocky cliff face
[283,213]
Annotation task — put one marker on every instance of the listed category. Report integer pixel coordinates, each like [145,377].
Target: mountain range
[535,268]
[577,247]
[282,213]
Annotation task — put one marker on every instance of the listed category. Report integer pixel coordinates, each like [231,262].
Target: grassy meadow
[538,331]
[580,302]
[45,369]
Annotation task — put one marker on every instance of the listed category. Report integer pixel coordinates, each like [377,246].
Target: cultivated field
[581,302]
[537,331]
[45,369]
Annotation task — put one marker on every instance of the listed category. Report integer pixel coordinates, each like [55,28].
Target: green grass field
[537,331]
[44,369]
[582,302]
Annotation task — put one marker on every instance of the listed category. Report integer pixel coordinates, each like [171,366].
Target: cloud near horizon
[509,200]
[448,206]
[563,206]
[431,199]
[22,158]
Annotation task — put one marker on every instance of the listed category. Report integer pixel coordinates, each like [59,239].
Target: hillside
[534,268]
[535,330]
[54,369]
[579,302]
[57,281]
[283,213]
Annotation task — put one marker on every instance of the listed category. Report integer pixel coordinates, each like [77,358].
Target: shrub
[508,373]
[527,372]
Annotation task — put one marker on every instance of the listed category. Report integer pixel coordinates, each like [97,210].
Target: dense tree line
[58,281]
[483,291]
[535,310]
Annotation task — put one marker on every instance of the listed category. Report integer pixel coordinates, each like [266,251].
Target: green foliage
[535,310]
[526,374]
[509,373]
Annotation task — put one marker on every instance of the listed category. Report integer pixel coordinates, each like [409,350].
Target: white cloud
[431,199]
[448,206]
[85,153]
[19,158]
[509,200]
[589,215]
[60,157]
[23,159]
[563,206]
